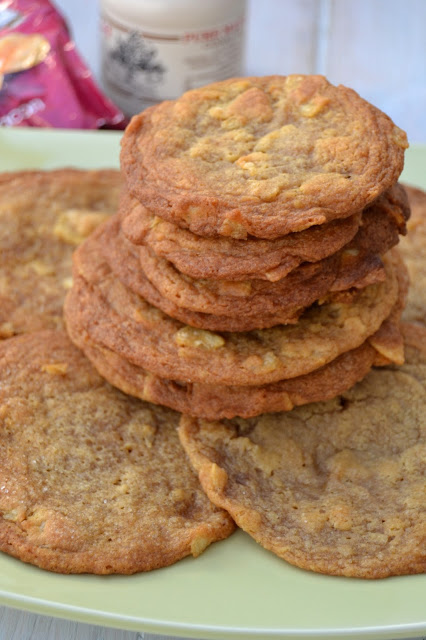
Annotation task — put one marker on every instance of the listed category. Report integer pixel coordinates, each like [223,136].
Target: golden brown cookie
[44,215]
[126,324]
[229,259]
[220,305]
[356,265]
[261,156]
[232,306]
[335,487]
[219,401]
[124,260]
[413,250]
[91,480]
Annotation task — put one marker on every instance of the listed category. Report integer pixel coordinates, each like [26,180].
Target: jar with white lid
[154,50]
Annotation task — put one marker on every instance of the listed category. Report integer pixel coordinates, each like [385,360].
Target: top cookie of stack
[258,186]
[261,156]
[257,207]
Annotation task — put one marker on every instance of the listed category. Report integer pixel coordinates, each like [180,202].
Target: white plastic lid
[173,15]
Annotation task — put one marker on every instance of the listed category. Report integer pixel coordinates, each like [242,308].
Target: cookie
[261,156]
[44,215]
[229,305]
[413,250]
[125,262]
[356,265]
[229,259]
[335,487]
[91,480]
[219,305]
[218,401]
[126,324]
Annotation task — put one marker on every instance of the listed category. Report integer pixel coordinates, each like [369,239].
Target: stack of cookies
[250,266]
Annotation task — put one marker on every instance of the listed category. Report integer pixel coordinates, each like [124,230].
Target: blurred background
[377,47]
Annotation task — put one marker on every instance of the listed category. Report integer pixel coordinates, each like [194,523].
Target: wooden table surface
[378,47]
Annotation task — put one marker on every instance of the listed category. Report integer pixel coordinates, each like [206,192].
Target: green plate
[235,589]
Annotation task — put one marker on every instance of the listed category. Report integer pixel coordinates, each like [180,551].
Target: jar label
[140,69]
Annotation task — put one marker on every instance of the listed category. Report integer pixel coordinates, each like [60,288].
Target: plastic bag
[43,80]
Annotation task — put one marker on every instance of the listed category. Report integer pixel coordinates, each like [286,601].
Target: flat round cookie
[44,215]
[335,487]
[126,324]
[413,250]
[229,259]
[261,156]
[228,305]
[219,305]
[92,481]
[125,262]
[219,401]
[356,265]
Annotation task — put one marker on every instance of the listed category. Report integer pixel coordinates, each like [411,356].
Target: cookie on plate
[125,323]
[229,259]
[91,480]
[219,305]
[413,250]
[44,215]
[218,401]
[227,401]
[335,487]
[261,156]
[355,265]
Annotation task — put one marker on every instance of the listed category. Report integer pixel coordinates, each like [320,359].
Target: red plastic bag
[45,83]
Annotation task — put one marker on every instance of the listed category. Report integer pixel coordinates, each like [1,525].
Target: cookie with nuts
[357,264]
[44,215]
[261,157]
[413,251]
[215,402]
[228,258]
[334,487]
[227,401]
[91,480]
[253,258]
[127,324]
[221,305]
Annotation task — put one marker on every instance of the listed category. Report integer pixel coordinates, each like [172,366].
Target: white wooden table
[378,47]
